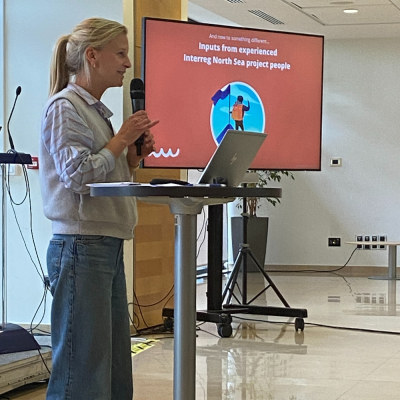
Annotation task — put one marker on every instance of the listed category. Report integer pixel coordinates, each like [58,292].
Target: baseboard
[46,328]
[40,329]
[349,270]
[316,270]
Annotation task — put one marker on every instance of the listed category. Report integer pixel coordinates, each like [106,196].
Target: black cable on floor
[322,326]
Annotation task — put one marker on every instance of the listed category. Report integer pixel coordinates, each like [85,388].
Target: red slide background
[178,93]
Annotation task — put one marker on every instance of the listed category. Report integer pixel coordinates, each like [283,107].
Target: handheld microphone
[137,96]
[17,93]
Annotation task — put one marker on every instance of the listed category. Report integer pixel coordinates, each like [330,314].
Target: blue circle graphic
[221,110]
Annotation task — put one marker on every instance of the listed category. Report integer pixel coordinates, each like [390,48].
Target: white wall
[361,124]
[30,32]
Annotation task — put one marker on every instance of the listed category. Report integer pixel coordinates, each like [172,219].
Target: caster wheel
[299,324]
[225,330]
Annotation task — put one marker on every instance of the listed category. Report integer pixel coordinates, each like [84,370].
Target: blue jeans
[89,319]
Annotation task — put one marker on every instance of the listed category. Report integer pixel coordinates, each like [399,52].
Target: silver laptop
[232,158]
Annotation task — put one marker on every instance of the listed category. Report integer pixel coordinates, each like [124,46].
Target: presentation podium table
[185,202]
[392,258]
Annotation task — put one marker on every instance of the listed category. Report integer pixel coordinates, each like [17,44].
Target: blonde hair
[69,53]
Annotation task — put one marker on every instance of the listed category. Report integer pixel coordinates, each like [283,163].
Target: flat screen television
[201,80]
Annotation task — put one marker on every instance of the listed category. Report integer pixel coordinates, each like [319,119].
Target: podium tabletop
[147,190]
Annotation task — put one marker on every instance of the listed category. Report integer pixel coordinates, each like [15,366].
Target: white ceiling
[375,18]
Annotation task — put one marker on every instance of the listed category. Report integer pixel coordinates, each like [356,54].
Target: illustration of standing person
[238,111]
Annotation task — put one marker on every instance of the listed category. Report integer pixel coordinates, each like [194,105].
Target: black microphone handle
[139,143]
[138,104]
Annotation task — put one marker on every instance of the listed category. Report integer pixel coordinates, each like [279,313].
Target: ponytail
[59,72]
[69,56]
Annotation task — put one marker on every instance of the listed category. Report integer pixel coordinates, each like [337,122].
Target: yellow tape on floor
[142,346]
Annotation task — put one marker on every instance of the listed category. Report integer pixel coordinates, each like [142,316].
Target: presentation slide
[201,80]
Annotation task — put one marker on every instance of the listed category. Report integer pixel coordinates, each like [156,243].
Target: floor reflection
[241,367]
[378,303]
[392,297]
[349,350]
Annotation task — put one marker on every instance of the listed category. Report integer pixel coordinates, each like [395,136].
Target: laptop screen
[232,158]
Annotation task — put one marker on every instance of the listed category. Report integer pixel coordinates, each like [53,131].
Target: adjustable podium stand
[185,202]
[13,338]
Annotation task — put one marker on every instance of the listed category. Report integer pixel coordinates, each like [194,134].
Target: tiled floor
[336,357]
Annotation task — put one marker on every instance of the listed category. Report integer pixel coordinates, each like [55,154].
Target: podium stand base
[14,339]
